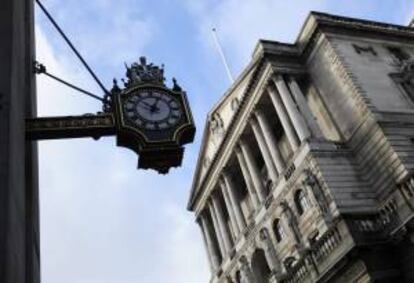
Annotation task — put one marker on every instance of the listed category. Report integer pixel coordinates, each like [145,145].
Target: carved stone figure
[247,275]
[292,221]
[144,73]
[312,182]
[269,250]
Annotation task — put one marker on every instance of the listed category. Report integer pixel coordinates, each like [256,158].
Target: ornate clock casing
[152,119]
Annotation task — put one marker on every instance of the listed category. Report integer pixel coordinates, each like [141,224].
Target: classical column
[235,204]
[283,118]
[213,257]
[229,207]
[304,108]
[254,170]
[296,118]
[273,174]
[222,223]
[271,140]
[217,230]
[270,251]
[247,178]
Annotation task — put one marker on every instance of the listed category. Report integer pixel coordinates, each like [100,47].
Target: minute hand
[145,103]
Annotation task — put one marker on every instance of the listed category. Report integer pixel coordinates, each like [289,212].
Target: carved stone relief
[267,245]
[314,185]
[293,224]
[246,271]
[234,104]
[217,124]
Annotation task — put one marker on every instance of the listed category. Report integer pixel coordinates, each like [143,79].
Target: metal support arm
[93,125]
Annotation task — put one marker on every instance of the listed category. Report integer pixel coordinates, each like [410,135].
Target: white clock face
[153,110]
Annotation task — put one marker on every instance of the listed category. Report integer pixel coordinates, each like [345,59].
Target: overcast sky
[103,221]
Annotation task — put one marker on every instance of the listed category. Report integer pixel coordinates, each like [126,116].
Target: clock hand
[149,107]
[145,103]
[144,106]
[154,107]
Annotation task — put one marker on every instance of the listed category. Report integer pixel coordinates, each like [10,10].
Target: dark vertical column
[19,222]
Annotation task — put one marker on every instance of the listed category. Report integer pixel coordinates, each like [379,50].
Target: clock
[152,119]
[153,110]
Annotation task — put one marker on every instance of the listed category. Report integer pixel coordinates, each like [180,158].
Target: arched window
[278,230]
[260,267]
[301,202]
[238,277]
[289,262]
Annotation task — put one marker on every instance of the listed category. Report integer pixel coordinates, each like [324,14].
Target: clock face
[152,109]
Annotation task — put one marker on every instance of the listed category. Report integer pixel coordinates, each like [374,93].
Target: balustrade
[322,248]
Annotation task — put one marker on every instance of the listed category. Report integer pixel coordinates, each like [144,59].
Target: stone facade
[305,173]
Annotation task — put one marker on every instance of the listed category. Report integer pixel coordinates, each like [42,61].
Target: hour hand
[148,107]
[146,104]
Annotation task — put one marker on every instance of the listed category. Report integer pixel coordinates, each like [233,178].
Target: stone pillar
[264,150]
[19,212]
[247,178]
[254,170]
[304,108]
[283,117]
[270,251]
[222,223]
[271,140]
[235,204]
[212,255]
[230,209]
[296,118]
[217,230]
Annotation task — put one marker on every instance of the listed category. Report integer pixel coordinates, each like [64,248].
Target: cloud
[101,219]
[241,24]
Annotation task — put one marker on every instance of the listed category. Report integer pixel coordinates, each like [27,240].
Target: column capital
[276,77]
[252,119]
[271,87]
[241,142]
[213,195]
[258,112]
[225,172]
[220,180]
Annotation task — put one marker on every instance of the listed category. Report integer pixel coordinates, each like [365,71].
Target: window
[289,262]
[364,49]
[398,54]
[313,237]
[405,85]
[301,202]
[278,230]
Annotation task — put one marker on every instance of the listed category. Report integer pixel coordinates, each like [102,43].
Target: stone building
[305,172]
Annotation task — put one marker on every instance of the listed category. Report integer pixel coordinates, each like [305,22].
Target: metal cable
[72,47]
[41,69]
